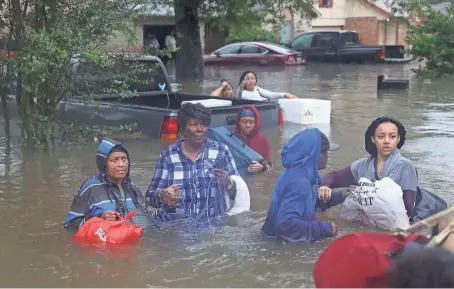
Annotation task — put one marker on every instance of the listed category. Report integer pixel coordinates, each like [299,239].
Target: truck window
[325,39]
[143,76]
[349,38]
[303,41]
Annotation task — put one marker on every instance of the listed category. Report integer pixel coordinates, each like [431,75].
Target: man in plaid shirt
[192,175]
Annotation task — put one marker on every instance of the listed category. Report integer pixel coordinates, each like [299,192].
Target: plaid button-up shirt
[197,185]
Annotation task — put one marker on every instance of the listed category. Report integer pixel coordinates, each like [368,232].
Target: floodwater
[36,191]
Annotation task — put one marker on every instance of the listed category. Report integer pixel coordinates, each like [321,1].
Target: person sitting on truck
[248,89]
[110,191]
[194,171]
[291,215]
[248,128]
[224,90]
[383,139]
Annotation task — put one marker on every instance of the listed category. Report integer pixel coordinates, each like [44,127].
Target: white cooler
[306,111]
[211,102]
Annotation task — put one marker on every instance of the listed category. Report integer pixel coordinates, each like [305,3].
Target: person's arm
[336,199]
[230,167]
[269,94]
[267,165]
[409,184]
[158,182]
[292,224]
[217,91]
[339,179]
[80,210]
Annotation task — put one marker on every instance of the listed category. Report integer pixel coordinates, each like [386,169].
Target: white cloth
[379,202]
[171,43]
[242,202]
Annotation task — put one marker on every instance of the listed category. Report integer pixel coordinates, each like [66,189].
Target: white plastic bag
[242,201]
[379,202]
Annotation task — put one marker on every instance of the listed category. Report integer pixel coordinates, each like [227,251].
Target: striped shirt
[197,186]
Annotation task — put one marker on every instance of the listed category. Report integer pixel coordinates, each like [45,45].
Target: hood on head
[258,120]
[104,149]
[303,152]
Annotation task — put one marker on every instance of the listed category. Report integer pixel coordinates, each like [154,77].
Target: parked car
[154,109]
[254,53]
[345,46]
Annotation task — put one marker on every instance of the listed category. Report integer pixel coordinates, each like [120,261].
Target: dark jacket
[97,194]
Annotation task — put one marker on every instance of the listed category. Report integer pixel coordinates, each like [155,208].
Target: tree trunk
[189,61]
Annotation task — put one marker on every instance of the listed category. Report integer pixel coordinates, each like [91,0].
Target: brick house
[372,21]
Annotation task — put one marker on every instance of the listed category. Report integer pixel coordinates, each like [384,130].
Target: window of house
[233,49]
[325,39]
[251,49]
[304,41]
[325,3]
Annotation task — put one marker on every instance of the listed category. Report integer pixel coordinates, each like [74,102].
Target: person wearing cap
[291,215]
[110,191]
[247,126]
[383,139]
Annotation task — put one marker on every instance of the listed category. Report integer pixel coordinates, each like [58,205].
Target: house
[160,21]
[372,20]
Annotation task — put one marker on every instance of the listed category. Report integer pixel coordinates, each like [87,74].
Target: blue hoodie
[291,215]
[97,194]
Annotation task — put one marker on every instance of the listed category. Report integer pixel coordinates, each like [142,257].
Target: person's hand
[255,167]
[348,192]
[222,176]
[324,194]
[289,95]
[224,84]
[335,229]
[109,216]
[170,196]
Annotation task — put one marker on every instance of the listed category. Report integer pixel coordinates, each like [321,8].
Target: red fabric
[256,141]
[358,260]
[97,230]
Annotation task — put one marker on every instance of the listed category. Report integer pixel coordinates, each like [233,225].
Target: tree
[51,39]
[430,38]
[189,13]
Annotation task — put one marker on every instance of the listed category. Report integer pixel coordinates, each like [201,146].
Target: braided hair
[370,132]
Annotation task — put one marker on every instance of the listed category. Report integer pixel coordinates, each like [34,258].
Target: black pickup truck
[345,46]
[154,109]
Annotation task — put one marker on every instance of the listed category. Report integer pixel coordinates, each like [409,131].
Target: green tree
[51,39]
[189,14]
[432,41]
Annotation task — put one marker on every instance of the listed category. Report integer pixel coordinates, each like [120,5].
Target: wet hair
[423,268]
[371,148]
[246,73]
[191,110]
[222,80]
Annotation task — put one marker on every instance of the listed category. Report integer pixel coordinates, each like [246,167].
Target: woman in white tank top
[248,89]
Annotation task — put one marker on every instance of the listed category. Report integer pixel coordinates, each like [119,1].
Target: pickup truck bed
[155,112]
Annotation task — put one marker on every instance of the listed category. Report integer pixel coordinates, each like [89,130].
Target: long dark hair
[246,73]
[371,148]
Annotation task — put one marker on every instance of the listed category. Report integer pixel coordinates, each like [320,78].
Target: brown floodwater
[36,190]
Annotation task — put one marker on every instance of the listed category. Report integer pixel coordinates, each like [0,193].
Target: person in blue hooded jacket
[110,191]
[291,215]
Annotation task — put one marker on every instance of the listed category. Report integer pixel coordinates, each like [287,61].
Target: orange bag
[97,230]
